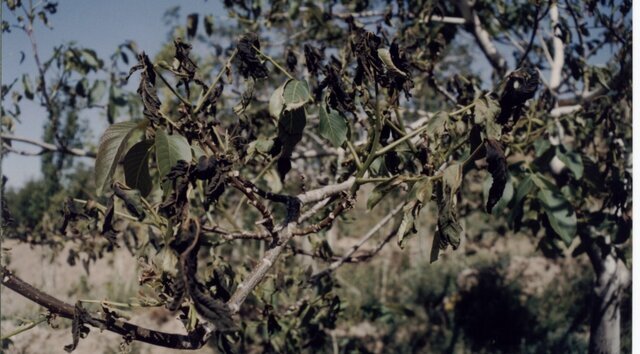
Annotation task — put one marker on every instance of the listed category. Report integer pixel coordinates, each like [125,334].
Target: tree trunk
[612,278]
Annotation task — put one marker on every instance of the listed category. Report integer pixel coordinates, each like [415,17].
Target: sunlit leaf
[333,127]
[170,149]
[136,167]
[112,147]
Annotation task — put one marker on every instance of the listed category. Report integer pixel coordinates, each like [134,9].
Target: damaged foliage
[147,88]
[497,166]
[250,64]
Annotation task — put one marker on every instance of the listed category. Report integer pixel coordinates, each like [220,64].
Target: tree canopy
[244,145]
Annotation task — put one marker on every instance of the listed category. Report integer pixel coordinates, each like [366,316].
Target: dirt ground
[57,278]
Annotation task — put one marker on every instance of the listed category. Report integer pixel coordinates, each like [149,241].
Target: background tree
[299,107]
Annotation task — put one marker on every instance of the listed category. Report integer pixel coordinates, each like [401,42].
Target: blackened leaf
[497,165]
[131,199]
[112,146]
[313,58]
[507,195]
[147,87]
[449,228]
[435,248]
[212,309]
[107,225]
[136,167]
[333,127]
[290,128]
[208,24]
[250,65]
[78,328]
[292,60]
[28,88]
[169,150]
[246,97]
[385,56]
[192,25]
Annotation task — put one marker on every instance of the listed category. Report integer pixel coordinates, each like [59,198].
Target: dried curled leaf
[131,199]
[250,65]
[498,169]
[515,90]
[78,328]
[449,228]
[313,57]
[147,88]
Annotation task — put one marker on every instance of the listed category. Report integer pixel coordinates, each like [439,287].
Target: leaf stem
[25,327]
[175,93]
[275,63]
[204,98]
[353,151]
[254,180]
[104,208]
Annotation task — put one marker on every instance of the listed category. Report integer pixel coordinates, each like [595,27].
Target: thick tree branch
[137,333]
[283,235]
[322,193]
[47,147]
[558,49]
[483,37]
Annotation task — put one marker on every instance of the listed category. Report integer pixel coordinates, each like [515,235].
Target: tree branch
[335,265]
[558,49]
[47,147]
[483,37]
[321,193]
[169,340]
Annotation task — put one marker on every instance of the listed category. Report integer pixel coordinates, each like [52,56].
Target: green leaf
[169,150]
[91,58]
[276,102]
[97,91]
[486,110]
[516,204]
[572,160]
[262,145]
[197,151]
[333,127]
[385,56]
[452,177]
[296,94]
[136,167]
[112,146]
[560,214]
[436,124]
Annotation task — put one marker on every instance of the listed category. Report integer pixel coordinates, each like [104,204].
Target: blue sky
[100,25]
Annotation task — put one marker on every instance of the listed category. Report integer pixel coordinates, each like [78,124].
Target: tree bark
[612,278]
